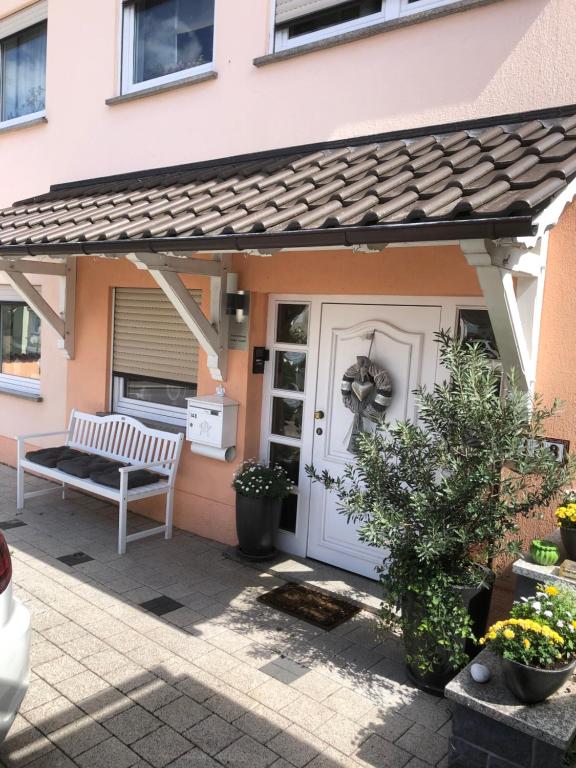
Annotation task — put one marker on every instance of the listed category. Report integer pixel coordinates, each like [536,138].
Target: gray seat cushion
[49,457]
[83,466]
[136,479]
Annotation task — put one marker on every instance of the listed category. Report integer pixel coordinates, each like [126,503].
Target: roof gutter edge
[491,229]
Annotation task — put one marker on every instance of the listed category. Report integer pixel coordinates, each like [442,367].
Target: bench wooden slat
[123,439]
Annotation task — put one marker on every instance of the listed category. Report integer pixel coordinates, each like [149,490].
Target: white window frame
[144,410]
[127,84]
[391,9]
[13,25]
[23,385]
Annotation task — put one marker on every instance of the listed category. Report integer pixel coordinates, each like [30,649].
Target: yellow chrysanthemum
[509,634]
[527,643]
[550,590]
[492,635]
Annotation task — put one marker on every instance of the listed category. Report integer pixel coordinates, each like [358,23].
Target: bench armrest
[42,434]
[149,465]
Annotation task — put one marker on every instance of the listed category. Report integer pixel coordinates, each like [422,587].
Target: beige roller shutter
[27,17]
[287,10]
[150,337]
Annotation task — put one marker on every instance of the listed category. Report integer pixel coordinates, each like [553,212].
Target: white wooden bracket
[63,323]
[212,334]
[512,280]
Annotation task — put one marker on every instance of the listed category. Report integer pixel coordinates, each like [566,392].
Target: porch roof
[482,179]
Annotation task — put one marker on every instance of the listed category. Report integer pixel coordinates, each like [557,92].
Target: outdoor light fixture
[237,302]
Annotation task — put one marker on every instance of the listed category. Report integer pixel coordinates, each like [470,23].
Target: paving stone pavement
[212,679]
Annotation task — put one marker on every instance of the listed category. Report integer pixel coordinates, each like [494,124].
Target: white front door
[398,338]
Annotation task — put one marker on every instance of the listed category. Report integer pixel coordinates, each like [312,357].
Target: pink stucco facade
[503,57]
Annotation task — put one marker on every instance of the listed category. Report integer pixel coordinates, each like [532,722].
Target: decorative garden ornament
[367,392]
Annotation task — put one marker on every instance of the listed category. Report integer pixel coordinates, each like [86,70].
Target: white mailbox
[211,424]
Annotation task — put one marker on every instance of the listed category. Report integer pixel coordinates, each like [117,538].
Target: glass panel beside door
[289,357]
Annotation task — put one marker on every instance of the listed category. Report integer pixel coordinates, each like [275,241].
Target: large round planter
[568,536]
[477,602]
[531,685]
[256,525]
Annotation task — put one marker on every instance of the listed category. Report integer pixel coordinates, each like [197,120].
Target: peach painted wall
[509,56]
[204,500]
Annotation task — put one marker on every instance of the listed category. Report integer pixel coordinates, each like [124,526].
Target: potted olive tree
[537,643]
[444,497]
[259,493]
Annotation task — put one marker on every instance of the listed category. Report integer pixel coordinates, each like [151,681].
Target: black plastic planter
[568,536]
[531,685]
[256,525]
[477,601]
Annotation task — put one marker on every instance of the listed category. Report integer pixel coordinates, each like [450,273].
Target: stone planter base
[480,742]
[492,729]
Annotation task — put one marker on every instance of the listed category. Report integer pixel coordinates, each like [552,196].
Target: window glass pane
[286,417]
[340,14]
[171,36]
[475,325]
[288,513]
[288,458]
[20,341]
[24,72]
[157,391]
[292,325]
[289,370]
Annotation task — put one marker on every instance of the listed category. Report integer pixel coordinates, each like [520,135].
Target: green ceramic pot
[544,552]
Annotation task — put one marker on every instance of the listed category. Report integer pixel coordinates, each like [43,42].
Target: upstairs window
[23,65]
[165,41]
[299,22]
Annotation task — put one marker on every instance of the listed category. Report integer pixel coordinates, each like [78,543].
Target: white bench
[122,439]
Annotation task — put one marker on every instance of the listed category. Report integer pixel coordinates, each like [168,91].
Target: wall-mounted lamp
[237,302]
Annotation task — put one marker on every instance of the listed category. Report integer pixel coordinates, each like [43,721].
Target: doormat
[324,611]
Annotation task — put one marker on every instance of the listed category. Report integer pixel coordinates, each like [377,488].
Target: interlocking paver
[377,751]
[132,724]
[247,753]
[425,744]
[343,734]
[262,723]
[59,669]
[108,754]
[213,734]
[54,714]
[231,704]
[23,744]
[296,745]
[154,694]
[162,746]
[181,714]
[221,681]
[79,736]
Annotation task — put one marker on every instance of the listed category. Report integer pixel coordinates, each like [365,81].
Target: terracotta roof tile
[499,171]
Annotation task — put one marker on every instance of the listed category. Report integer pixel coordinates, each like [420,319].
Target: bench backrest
[124,439]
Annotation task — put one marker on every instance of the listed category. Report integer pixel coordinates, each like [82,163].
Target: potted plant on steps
[537,644]
[435,496]
[259,493]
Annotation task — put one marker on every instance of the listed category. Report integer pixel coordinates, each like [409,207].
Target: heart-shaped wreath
[367,392]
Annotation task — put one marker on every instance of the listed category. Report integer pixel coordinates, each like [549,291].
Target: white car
[14,645]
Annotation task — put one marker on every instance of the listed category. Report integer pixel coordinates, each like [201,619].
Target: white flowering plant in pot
[260,491]
[257,481]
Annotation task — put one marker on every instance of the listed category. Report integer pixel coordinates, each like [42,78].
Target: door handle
[318,415]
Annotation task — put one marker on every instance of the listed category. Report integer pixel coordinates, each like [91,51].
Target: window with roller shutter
[154,356]
[299,22]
